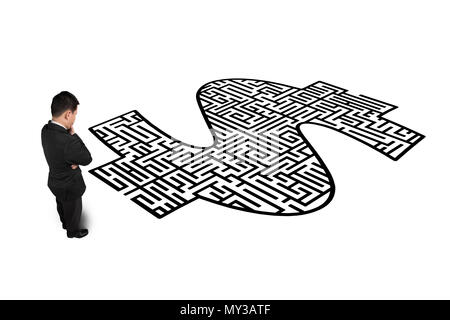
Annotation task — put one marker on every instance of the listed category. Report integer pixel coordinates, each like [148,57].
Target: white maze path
[259,162]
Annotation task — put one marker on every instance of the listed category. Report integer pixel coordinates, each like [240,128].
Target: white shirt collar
[59,124]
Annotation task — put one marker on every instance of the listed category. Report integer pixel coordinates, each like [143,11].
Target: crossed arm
[75,152]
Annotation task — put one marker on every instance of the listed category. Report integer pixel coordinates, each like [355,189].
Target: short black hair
[62,102]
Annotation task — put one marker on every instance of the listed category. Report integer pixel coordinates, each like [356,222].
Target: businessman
[65,152]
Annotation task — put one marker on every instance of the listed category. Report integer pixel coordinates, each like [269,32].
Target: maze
[259,160]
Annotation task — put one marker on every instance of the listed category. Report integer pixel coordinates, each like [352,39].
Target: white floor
[385,234]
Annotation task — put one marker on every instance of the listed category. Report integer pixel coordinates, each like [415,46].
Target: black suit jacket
[61,150]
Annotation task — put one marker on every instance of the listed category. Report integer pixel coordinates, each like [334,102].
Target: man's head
[64,108]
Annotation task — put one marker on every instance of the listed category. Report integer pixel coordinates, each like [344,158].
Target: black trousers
[69,213]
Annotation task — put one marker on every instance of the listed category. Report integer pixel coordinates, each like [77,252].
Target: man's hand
[74,166]
[71,130]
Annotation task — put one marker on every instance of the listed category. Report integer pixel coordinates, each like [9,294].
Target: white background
[385,234]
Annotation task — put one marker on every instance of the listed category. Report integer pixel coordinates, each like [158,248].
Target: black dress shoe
[77,234]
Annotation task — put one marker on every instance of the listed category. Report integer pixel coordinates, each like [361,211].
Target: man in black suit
[65,152]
